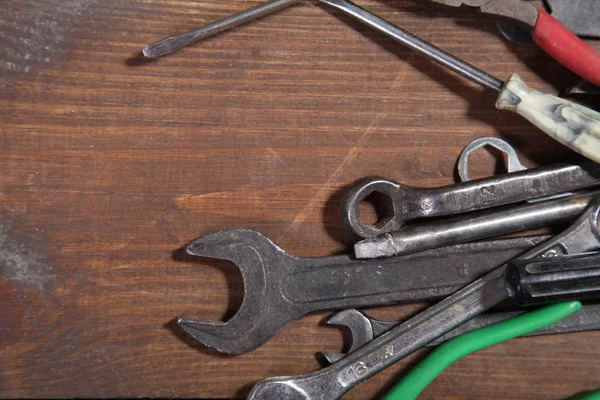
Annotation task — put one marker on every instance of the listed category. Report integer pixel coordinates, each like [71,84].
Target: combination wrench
[402,203]
[363,328]
[280,287]
[332,382]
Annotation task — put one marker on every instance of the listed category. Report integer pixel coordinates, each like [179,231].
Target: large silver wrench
[280,287]
[332,382]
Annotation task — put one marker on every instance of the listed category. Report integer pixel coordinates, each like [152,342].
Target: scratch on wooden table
[334,176]
[400,77]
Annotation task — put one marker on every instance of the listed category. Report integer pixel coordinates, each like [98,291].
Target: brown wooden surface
[111,164]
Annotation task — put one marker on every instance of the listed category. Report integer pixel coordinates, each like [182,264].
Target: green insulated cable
[595,395]
[424,373]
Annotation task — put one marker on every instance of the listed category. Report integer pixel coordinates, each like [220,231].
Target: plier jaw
[516,11]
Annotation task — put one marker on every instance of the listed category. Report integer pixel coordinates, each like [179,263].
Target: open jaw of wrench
[280,287]
[364,328]
[332,382]
[401,203]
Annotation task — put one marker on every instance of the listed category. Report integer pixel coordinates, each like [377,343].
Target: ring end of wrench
[360,191]
[278,388]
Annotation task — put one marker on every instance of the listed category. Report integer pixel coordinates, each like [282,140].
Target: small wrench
[280,287]
[332,382]
[404,203]
[364,328]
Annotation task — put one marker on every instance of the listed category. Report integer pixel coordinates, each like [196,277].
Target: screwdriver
[552,279]
[573,125]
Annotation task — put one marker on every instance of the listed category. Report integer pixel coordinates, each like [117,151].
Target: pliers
[559,42]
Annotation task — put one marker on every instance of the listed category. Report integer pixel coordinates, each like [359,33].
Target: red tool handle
[565,47]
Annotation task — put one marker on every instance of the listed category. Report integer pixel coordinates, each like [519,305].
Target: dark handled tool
[280,287]
[363,328]
[405,203]
[552,279]
[332,382]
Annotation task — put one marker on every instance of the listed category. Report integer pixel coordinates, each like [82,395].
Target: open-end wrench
[332,382]
[279,287]
[363,328]
[404,203]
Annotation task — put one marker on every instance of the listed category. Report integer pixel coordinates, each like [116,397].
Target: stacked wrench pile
[424,261]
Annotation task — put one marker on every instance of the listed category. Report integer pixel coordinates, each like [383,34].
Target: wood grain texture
[111,164]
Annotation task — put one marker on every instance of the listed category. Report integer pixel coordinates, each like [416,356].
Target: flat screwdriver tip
[381,246]
[161,48]
[147,52]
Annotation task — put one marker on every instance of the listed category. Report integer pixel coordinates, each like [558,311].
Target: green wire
[595,395]
[424,373]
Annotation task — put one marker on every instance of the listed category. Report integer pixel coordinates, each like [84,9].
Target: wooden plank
[111,164]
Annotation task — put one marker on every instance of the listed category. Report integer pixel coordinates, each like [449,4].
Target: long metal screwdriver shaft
[424,48]
[173,43]
[575,126]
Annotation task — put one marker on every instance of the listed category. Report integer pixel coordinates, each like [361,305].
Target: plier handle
[553,37]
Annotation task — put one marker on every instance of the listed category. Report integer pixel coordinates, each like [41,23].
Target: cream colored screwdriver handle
[575,126]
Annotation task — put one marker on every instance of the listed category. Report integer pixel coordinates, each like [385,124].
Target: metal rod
[417,44]
[173,43]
